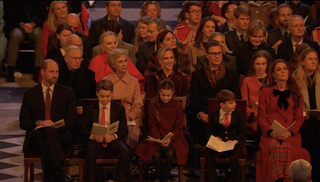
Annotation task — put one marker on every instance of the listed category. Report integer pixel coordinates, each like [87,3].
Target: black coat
[96,30]
[232,40]
[16,12]
[285,50]
[275,35]
[224,28]
[83,84]
[63,106]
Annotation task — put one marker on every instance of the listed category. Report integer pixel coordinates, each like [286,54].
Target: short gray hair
[294,16]
[300,170]
[114,54]
[159,22]
[71,48]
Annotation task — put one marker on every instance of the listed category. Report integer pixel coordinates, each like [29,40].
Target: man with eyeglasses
[73,75]
[206,83]
[113,9]
[227,12]
[296,28]
[186,31]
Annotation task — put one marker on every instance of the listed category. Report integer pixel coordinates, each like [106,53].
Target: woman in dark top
[256,34]
[59,41]
[307,76]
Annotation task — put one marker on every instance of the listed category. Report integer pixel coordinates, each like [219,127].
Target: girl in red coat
[165,115]
[281,101]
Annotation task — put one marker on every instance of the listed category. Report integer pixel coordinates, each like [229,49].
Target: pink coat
[268,111]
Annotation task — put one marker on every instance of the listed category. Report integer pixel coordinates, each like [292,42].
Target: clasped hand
[43,123]
[282,137]
[165,143]
[101,138]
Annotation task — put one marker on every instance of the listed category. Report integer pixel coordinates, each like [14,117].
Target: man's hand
[45,123]
[79,110]
[98,138]
[230,141]
[285,136]
[109,138]
[203,117]
[307,116]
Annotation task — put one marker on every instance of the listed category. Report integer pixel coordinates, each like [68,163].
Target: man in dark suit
[73,21]
[113,9]
[206,83]
[227,12]
[296,29]
[42,106]
[106,112]
[237,36]
[73,75]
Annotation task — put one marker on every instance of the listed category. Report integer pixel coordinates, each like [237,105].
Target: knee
[16,35]
[37,33]
[170,153]
[157,154]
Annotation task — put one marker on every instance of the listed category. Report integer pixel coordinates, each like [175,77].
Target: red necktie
[103,122]
[297,45]
[226,121]
[48,105]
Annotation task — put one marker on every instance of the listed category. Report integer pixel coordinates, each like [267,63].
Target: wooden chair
[30,157]
[213,106]
[105,157]
[144,163]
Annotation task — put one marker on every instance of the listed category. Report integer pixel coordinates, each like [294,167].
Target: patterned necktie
[241,38]
[286,35]
[296,45]
[48,105]
[103,122]
[226,121]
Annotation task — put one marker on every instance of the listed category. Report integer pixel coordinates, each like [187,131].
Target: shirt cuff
[199,115]
[115,136]
[90,137]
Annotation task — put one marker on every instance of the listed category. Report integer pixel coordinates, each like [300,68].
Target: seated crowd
[227,55]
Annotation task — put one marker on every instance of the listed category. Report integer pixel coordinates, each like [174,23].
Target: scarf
[213,76]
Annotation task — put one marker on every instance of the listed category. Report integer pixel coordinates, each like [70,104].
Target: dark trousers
[310,135]
[233,161]
[50,142]
[117,148]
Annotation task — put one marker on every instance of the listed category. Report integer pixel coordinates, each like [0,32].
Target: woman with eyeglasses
[256,35]
[207,26]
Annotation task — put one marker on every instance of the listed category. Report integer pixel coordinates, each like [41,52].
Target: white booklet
[276,126]
[220,146]
[169,135]
[98,129]
[314,113]
[55,125]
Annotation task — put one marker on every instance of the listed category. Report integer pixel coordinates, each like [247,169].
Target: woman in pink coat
[165,115]
[280,100]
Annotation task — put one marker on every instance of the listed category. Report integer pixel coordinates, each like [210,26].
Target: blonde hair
[300,170]
[161,52]
[300,75]
[254,27]
[138,39]
[107,33]
[52,20]
[144,8]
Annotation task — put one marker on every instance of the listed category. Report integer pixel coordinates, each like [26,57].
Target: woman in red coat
[165,115]
[99,65]
[281,100]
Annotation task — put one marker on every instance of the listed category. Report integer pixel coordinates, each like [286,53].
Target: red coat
[250,90]
[171,119]
[185,33]
[268,111]
[101,68]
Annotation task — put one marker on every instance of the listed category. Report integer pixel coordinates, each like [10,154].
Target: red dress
[268,111]
[171,120]
[101,68]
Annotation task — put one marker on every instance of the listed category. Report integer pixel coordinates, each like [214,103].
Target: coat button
[225,132]
[227,138]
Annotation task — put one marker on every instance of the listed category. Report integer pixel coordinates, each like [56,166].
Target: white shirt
[294,44]
[222,116]
[44,91]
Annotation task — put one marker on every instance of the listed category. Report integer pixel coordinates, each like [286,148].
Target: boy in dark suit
[226,124]
[106,112]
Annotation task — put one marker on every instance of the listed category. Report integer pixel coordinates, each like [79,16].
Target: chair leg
[26,166]
[180,174]
[145,166]
[31,171]
[140,171]
[203,168]
[66,166]
[242,173]
[81,172]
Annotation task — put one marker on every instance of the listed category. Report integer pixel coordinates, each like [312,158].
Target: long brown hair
[291,82]
[258,54]
[179,54]
[293,62]
[165,84]
[199,35]
[60,28]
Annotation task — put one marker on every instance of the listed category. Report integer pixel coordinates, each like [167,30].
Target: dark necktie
[286,35]
[48,105]
[226,121]
[241,38]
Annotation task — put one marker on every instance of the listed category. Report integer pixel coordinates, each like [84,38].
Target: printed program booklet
[98,129]
[220,146]
[276,126]
[169,135]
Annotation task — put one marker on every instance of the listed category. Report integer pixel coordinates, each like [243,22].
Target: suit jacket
[305,95]
[231,39]
[236,130]
[117,113]
[123,45]
[268,111]
[275,37]
[228,61]
[83,83]
[85,44]
[16,12]
[63,106]
[54,54]
[145,50]
[96,30]
[285,50]
[201,89]
[224,28]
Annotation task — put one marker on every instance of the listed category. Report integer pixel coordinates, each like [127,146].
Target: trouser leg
[35,36]
[16,36]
